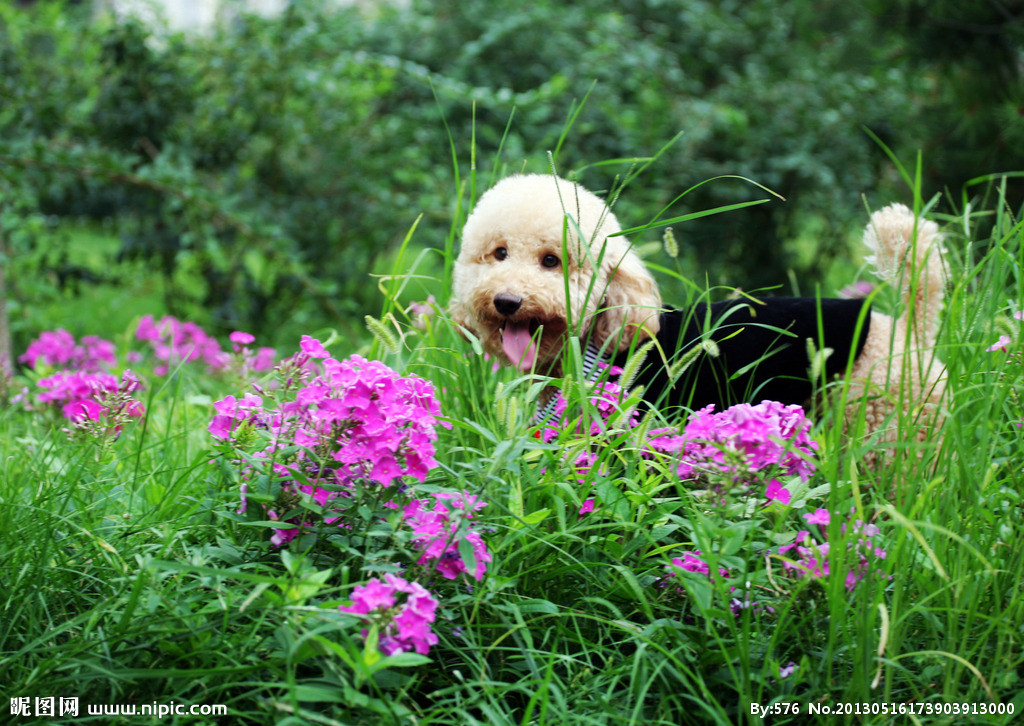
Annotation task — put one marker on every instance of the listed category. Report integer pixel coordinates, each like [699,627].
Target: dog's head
[538,263]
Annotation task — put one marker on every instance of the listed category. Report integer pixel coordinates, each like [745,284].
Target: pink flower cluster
[403,611]
[342,439]
[81,389]
[248,361]
[439,531]
[350,427]
[232,414]
[369,422]
[691,562]
[174,341]
[604,399]
[806,557]
[58,349]
[744,440]
[82,395]
[94,402]
[748,443]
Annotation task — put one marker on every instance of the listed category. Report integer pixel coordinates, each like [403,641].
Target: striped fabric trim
[591,370]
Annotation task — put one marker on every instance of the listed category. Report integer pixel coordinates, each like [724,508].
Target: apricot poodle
[543,259]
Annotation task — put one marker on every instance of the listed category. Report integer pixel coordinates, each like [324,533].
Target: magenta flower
[1001,344]
[763,436]
[174,342]
[818,516]
[244,362]
[83,410]
[54,348]
[372,596]
[857,290]
[605,399]
[404,622]
[70,386]
[264,360]
[350,426]
[440,530]
[147,329]
[777,493]
[811,557]
[58,349]
[692,562]
[806,557]
[282,535]
[313,347]
[587,507]
[232,413]
[97,404]
[748,443]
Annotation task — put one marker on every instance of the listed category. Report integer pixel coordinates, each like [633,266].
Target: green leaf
[536,606]
[317,694]
[537,516]
[468,556]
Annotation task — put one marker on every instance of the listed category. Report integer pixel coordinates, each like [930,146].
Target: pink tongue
[518,345]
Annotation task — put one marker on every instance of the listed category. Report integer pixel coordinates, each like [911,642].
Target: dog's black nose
[507,304]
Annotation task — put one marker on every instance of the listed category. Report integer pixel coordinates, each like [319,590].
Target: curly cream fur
[897,379]
[610,294]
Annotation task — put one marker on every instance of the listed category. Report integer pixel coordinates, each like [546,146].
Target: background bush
[260,172]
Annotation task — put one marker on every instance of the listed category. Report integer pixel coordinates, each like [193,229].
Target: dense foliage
[328,533]
[267,167]
[969,90]
[371,528]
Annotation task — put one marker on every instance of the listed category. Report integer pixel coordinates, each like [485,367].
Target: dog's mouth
[519,340]
[526,342]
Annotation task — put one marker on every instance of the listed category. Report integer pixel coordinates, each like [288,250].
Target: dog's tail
[907,252]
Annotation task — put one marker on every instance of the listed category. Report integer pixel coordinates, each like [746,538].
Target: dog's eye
[549,261]
[500,254]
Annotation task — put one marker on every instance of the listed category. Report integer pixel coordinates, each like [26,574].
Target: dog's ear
[631,305]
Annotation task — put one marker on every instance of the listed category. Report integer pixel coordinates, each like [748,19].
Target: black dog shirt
[762,350]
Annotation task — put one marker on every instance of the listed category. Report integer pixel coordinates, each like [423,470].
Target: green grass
[127,577]
[72,276]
